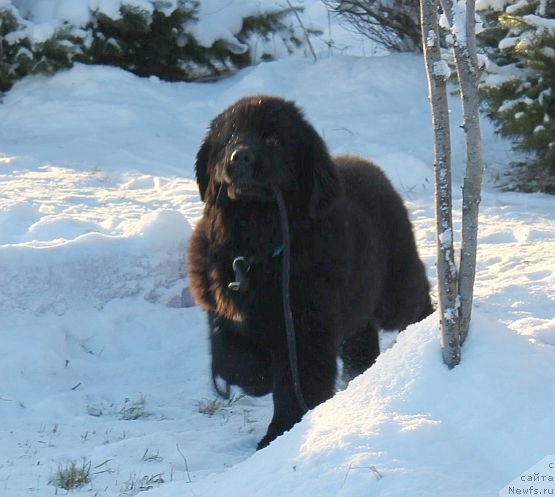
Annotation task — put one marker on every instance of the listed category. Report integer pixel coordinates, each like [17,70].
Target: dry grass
[72,475]
[133,410]
[209,407]
[136,484]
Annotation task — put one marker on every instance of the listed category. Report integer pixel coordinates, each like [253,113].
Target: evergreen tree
[156,42]
[519,90]
[15,48]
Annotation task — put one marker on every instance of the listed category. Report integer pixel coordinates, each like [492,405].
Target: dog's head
[264,142]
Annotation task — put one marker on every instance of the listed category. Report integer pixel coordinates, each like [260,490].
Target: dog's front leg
[317,372]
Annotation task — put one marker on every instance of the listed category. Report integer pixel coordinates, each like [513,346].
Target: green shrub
[519,91]
[159,42]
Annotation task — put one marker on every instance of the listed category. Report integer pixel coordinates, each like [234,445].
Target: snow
[509,42]
[430,38]
[222,19]
[100,361]
[540,22]
[441,69]
[215,19]
[495,4]
[76,12]
[516,6]
[458,16]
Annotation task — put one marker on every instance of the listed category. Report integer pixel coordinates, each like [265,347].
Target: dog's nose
[242,158]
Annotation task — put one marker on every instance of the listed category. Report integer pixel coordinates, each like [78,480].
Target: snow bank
[80,265]
[72,239]
[409,426]
[115,118]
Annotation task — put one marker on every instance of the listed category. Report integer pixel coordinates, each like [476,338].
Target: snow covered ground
[100,365]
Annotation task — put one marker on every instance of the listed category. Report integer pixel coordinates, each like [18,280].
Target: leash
[242,265]
[286,297]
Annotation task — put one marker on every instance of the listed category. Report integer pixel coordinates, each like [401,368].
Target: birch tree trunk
[437,73]
[463,29]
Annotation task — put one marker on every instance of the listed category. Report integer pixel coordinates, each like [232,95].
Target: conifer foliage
[157,41]
[519,91]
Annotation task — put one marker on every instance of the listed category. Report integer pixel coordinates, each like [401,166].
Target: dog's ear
[321,183]
[201,168]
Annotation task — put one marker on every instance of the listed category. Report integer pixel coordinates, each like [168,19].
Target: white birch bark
[446,268]
[463,28]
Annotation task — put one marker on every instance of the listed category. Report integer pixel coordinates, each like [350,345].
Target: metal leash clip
[241,268]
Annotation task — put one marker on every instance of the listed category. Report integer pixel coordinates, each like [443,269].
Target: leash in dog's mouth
[250,190]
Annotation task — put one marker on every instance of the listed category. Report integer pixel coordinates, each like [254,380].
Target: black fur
[354,263]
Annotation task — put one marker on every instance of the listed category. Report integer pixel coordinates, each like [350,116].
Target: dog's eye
[271,141]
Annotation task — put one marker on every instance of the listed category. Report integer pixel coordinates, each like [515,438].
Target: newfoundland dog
[353,267]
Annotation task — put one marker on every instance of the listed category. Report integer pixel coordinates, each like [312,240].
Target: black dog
[354,264]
